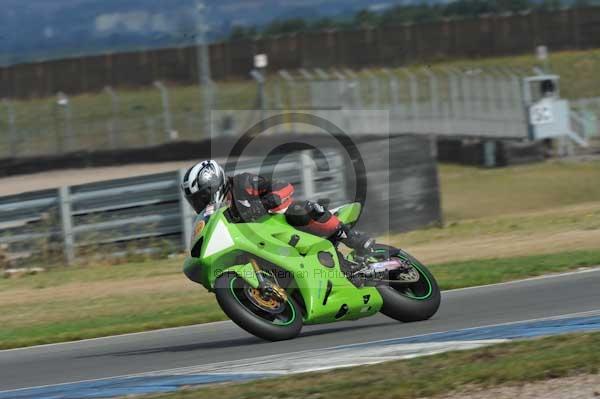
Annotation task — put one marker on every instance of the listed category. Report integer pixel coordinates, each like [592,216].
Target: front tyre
[411,302]
[263,317]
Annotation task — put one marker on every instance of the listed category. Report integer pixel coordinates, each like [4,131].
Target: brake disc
[408,275]
[268,304]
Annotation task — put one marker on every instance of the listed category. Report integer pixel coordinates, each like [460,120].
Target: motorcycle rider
[252,197]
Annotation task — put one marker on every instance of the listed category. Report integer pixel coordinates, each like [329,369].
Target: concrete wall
[403,187]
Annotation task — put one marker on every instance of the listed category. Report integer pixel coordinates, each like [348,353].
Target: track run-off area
[164,360]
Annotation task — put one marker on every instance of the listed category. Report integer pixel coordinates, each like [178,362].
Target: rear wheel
[267,318]
[411,301]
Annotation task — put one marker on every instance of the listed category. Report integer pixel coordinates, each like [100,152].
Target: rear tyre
[413,302]
[266,319]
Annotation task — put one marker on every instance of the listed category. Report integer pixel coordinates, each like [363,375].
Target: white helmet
[203,184]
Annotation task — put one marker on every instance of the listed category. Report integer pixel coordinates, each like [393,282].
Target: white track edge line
[584,270]
[180,369]
[214,323]
[108,337]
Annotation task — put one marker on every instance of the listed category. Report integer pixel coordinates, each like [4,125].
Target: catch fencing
[144,213]
[475,102]
[454,102]
[585,117]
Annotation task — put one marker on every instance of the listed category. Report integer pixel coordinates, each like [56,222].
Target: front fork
[267,287]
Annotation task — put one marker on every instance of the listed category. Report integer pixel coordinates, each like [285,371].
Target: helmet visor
[202,199]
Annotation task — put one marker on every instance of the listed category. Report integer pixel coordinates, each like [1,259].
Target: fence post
[518,103]
[393,88]
[277,102]
[164,95]
[357,97]
[203,64]
[434,104]
[289,79]
[455,93]
[308,174]
[489,153]
[12,132]
[503,102]
[454,104]
[259,78]
[305,74]
[321,74]
[342,82]
[468,108]
[375,89]
[69,139]
[308,77]
[64,198]
[186,215]
[150,131]
[346,101]
[433,91]
[291,91]
[414,99]
[112,124]
[478,95]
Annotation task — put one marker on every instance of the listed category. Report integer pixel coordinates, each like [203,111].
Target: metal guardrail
[144,211]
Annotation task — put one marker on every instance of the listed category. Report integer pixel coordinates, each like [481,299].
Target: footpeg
[402,271]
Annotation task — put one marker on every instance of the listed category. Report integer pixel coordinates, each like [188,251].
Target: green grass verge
[162,304]
[67,304]
[469,193]
[489,271]
[517,362]
[121,319]
[60,275]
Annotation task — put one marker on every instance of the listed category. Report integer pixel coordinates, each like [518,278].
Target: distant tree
[325,23]
[366,19]
[286,26]
[414,13]
[243,33]
[418,12]
[469,8]
[425,13]
[549,5]
[582,3]
[513,5]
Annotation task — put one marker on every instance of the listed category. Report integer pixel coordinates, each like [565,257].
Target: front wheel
[411,302]
[266,318]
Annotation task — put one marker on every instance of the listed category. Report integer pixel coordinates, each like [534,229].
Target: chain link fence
[474,102]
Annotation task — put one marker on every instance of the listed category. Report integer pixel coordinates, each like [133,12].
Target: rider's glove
[315,210]
[356,240]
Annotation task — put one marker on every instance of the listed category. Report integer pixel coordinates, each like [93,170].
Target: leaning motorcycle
[271,278]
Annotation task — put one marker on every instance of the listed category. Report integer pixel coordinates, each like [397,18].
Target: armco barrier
[134,210]
[149,212]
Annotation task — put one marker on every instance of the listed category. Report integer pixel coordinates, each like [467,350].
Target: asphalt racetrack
[207,344]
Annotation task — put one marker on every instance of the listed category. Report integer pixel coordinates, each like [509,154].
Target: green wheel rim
[276,322]
[418,267]
[421,273]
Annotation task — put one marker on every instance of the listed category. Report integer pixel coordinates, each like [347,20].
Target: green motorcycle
[271,279]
